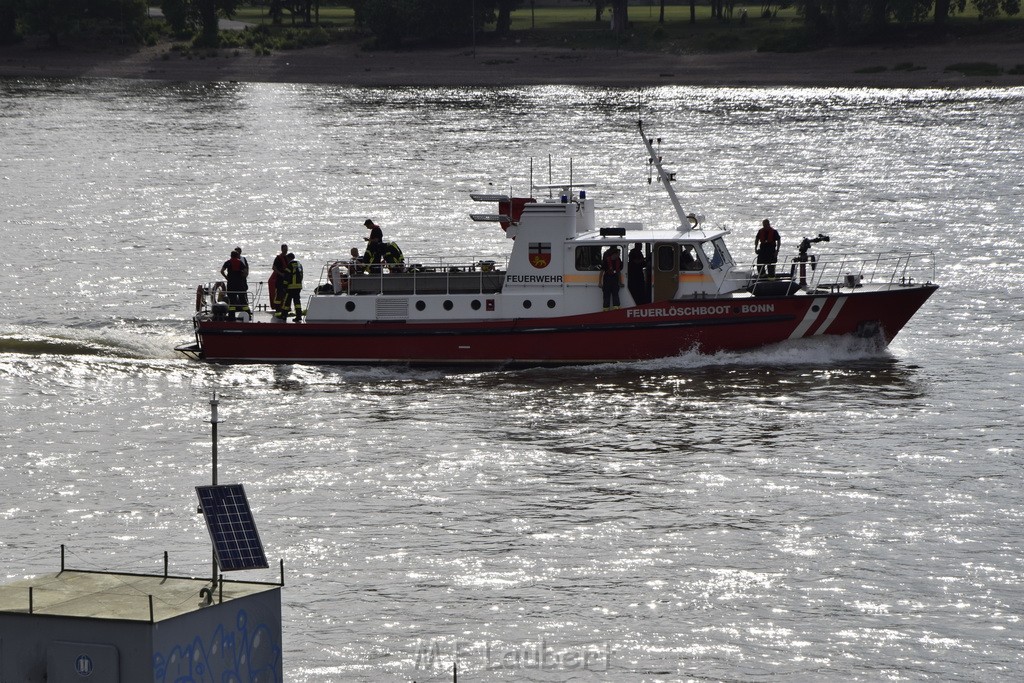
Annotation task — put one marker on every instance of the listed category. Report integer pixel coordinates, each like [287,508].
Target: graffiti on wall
[245,652]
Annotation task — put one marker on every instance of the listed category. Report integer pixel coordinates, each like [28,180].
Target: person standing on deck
[637,275]
[611,269]
[293,290]
[245,261]
[375,231]
[374,255]
[766,244]
[245,267]
[276,282]
[235,272]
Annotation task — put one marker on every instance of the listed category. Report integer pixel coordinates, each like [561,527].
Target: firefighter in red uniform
[235,270]
[766,244]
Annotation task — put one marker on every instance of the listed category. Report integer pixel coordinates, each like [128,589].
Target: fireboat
[543,304]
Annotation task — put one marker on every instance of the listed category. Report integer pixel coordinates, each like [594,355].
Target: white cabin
[553,271]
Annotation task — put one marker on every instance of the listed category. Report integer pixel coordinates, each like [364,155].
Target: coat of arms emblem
[540,254]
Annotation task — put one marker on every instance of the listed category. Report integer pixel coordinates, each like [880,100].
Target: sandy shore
[346,64]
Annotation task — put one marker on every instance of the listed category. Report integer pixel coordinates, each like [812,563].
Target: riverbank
[347,64]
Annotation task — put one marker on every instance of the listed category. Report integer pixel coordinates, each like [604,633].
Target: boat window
[688,258]
[666,257]
[720,246]
[713,251]
[588,257]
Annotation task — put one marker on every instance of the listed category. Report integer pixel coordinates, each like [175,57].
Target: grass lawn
[575,27]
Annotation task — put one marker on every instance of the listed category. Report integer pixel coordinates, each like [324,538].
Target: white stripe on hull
[832,315]
[809,319]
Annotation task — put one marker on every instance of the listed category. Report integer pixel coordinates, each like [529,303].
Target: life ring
[199,298]
[219,292]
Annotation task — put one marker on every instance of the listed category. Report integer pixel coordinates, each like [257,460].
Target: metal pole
[213,426]
[666,178]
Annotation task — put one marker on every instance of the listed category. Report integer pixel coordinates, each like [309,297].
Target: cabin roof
[651,235]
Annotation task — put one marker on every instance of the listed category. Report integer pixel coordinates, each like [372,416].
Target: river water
[814,510]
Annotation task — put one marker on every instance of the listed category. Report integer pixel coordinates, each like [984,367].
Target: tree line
[447,22]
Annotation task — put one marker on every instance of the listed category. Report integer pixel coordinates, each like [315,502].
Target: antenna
[666,177]
[550,177]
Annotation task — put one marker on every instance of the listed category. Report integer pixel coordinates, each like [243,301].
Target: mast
[666,178]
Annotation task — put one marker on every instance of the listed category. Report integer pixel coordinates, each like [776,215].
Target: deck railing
[438,276]
[835,271]
[215,294]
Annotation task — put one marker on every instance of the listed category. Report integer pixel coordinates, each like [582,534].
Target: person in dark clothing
[236,271]
[637,275]
[766,245]
[374,255]
[245,261]
[393,257]
[276,283]
[375,231]
[293,290]
[611,269]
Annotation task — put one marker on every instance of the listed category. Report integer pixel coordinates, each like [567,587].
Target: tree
[177,16]
[503,25]
[8,22]
[599,7]
[209,12]
[990,8]
[395,22]
[620,16]
[63,19]
[185,16]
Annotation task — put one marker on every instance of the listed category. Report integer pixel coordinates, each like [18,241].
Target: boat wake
[820,352]
[817,351]
[114,343]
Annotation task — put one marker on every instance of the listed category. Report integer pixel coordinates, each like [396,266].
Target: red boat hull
[653,331]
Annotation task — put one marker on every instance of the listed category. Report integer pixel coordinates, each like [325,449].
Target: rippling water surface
[822,510]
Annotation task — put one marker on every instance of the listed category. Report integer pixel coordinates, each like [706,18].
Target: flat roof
[634,234]
[109,595]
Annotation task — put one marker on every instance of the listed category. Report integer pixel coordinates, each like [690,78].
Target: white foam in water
[817,351]
[820,351]
[121,342]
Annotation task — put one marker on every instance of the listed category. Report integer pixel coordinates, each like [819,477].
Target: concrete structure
[77,626]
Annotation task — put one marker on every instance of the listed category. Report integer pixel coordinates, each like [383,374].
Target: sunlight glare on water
[822,509]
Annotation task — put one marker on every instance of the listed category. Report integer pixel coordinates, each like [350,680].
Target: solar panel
[236,543]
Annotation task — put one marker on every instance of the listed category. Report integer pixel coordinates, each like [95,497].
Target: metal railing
[214,293]
[436,276]
[835,271]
